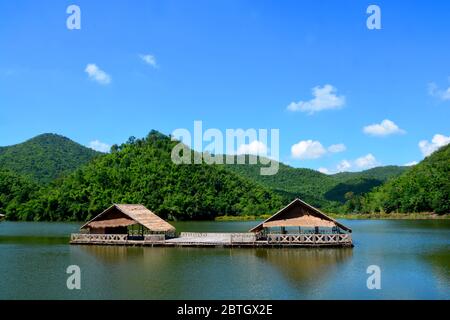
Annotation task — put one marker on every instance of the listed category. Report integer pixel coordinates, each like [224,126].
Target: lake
[414,257]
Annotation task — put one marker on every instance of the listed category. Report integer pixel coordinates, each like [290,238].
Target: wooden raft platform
[195,239]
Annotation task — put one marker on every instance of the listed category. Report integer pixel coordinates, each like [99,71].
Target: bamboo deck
[193,239]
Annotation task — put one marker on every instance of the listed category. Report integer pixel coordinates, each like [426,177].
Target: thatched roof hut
[302,215]
[118,217]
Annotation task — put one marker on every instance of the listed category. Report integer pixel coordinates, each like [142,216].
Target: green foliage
[141,171]
[423,188]
[14,191]
[356,186]
[45,157]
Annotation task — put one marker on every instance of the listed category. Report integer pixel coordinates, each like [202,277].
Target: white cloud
[324,170]
[149,59]
[256,148]
[366,162]
[96,74]
[99,146]
[344,165]
[438,141]
[324,98]
[410,164]
[362,163]
[435,91]
[385,128]
[336,148]
[307,149]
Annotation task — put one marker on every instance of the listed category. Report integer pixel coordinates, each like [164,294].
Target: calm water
[414,258]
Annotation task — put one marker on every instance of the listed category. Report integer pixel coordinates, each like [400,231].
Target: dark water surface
[414,257]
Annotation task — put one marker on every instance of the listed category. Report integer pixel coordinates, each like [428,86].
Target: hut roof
[299,214]
[122,215]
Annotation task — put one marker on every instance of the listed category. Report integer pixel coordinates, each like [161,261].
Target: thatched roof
[112,223]
[122,215]
[299,214]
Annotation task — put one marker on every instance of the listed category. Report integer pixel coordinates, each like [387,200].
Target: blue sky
[233,64]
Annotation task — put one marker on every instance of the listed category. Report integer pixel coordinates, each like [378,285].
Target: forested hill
[141,171]
[289,182]
[324,191]
[45,157]
[423,188]
[351,184]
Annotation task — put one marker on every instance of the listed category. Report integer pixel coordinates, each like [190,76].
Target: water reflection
[33,240]
[414,257]
[306,264]
[439,260]
[110,254]
[119,272]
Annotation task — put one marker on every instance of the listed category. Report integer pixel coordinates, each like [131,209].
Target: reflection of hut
[305,266]
[298,217]
[131,219]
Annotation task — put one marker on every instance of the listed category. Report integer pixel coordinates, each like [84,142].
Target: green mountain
[45,157]
[53,178]
[324,191]
[350,184]
[423,188]
[289,182]
[141,171]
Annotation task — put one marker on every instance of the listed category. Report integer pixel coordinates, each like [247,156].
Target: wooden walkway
[195,239]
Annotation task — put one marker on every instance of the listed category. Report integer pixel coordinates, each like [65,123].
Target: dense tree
[15,190]
[424,188]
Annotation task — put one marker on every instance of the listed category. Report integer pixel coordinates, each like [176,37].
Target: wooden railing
[154,238]
[243,237]
[93,238]
[223,238]
[316,239]
[112,238]
[193,238]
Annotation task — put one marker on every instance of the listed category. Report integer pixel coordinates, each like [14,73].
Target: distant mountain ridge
[321,190]
[45,157]
[351,184]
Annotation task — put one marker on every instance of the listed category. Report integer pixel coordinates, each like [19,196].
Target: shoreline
[394,216]
[352,216]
